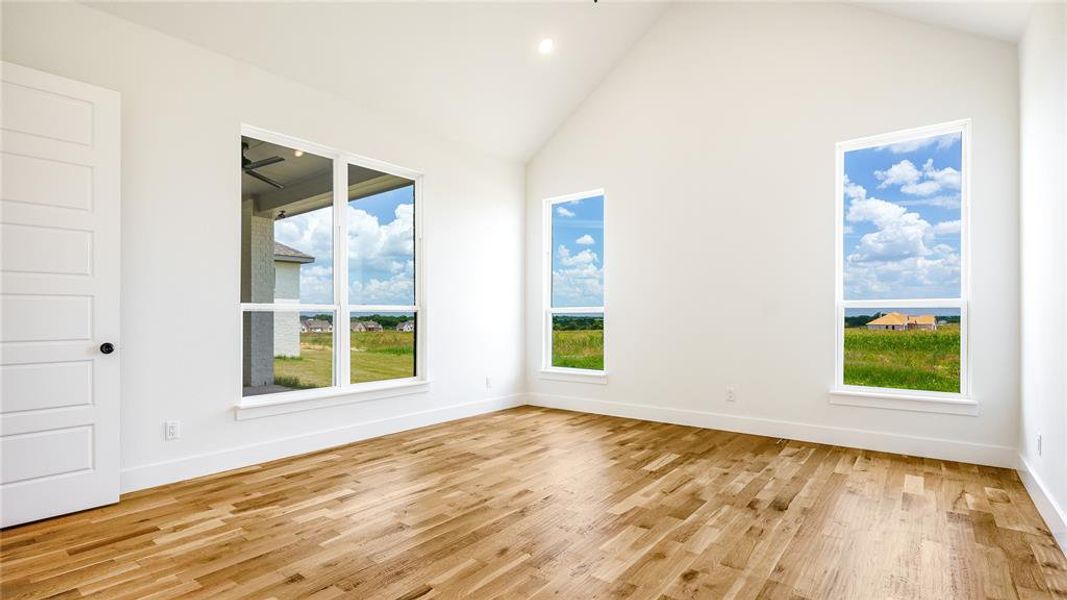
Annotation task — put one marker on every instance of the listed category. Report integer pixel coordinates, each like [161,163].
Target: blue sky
[381,249]
[578,252]
[902,220]
[941,312]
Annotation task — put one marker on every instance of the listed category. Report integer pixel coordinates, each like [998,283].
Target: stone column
[257,285]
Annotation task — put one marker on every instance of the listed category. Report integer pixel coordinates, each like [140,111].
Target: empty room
[571,299]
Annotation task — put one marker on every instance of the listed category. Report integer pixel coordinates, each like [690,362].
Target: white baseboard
[982,454]
[151,475]
[1055,516]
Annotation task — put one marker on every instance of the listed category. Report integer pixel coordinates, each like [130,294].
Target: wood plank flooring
[536,503]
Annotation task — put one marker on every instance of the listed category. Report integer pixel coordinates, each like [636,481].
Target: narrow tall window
[381,275]
[902,253]
[328,270]
[574,263]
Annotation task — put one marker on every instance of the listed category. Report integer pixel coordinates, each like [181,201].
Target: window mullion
[575,310]
[904,303]
[342,337]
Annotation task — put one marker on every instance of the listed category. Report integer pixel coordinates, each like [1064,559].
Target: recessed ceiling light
[546,46]
[298,153]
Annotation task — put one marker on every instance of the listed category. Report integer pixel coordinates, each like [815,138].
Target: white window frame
[918,400]
[599,376]
[340,392]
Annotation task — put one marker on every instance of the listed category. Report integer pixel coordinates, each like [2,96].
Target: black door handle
[107,347]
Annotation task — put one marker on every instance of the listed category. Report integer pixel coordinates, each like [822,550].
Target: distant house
[287,263]
[406,326]
[922,322]
[315,326]
[366,326]
[895,321]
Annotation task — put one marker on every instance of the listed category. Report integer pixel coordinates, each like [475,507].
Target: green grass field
[375,356]
[914,360]
[581,349]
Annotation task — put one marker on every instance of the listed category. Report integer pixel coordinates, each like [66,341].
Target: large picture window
[902,251]
[574,286]
[329,294]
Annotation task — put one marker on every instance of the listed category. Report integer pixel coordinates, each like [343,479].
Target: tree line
[861,320]
[576,323]
[386,321]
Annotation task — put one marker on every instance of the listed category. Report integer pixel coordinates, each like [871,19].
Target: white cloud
[947,178]
[566,259]
[585,240]
[564,211]
[899,234]
[930,276]
[902,173]
[381,256]
[854,191]
[942,141]
[316,282]
[579,281]
[916,182]
[949,202]
[900,257]
[399,289]
[312,234]
[578,286]
[948,228]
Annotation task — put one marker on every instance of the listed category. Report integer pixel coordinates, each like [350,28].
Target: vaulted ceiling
[1001,19]
[469,72]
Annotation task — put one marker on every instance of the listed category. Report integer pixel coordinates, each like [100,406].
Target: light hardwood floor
[542,503]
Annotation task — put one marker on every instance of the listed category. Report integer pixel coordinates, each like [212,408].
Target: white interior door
[59,295]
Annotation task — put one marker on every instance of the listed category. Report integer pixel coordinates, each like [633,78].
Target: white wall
[182,107]
[714,141]
[1043,201]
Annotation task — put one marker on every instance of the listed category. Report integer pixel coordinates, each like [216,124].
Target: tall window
[574,290]
[902,251]
[306,324]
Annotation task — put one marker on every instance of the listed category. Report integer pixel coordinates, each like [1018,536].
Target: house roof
[316,323]
[893,318]
[288,254]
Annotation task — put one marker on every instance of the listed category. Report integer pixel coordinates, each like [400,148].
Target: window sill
[575,375]
[289,402]
[913,401]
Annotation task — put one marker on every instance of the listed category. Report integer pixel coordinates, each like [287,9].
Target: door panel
[42,318]
[45,250]
[46,182]
[55,452]
[46,110]
[59,272]
[43,386]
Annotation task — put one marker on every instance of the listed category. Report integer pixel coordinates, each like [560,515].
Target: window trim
[548,371]
[351,392]
[905,399]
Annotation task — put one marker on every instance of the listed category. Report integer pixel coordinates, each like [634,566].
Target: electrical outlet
[731,393]
[172,430]
[1039,448]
